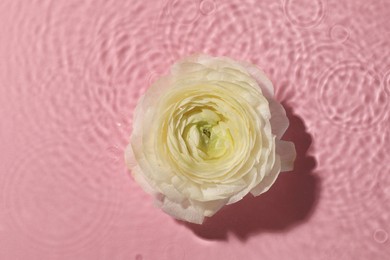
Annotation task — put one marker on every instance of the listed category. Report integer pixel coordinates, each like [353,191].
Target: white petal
[179,211]
[264,83]
[268,180]
[243,192]
[279,121]
[210,207]
[130,160]
[186,66]
[287,153]
[136,171]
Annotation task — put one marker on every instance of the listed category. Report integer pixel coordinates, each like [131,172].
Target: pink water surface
[71,72]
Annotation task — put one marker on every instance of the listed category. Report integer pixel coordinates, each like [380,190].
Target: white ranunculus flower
[206,135]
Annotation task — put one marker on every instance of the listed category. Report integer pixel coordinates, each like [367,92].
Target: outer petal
[287,153]
[268,180]
[264,83]
[136,171]
[179,211]
[279,121]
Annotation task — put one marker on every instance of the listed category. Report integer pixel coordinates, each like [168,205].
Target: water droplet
[184,11]
[303,13]
[381,236]
[339,33]
[207,7]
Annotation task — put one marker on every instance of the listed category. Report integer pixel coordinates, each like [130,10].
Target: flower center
[208,138]
[206,132]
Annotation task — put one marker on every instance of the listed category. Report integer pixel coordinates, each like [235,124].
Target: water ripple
[386,82]
[184,11]
[276,57]
[117,68]
[51,186]
[383,156]
[312,57]
[348,174]
[110,58]
[381,236]
[304,13]
[352,106]
[339,33]
[207,7]
[230,22]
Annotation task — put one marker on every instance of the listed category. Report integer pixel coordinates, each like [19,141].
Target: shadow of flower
[289,202]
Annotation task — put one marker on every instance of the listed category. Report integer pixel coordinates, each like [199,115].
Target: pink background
[71,72]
